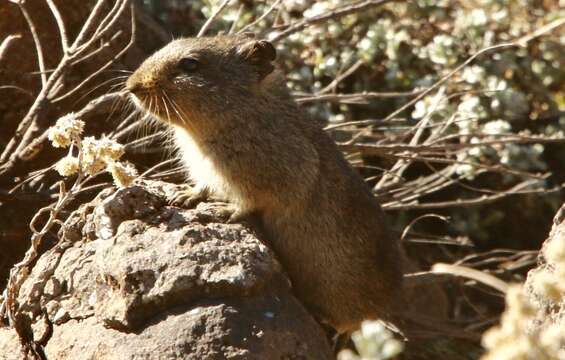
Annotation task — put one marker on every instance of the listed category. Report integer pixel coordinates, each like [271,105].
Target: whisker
[116,104]
[118,78]
[118,70]
[163,98]
[178,109]
[173,106]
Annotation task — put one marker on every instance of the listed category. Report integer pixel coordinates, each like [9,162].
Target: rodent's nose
[134,86]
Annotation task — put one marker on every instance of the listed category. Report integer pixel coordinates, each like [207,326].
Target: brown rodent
[243,137]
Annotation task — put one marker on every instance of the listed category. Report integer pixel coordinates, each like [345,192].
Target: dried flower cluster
[67,166]
[95,155]
[123,173]
[522,333]
[373,342]
[98,153]
[65,131]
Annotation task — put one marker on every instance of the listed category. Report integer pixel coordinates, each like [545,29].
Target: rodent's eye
[188,64]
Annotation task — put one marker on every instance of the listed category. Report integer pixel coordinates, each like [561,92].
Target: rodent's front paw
[233,214]
[188,198]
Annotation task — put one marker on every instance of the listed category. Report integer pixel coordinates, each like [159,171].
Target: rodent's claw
[237,216]
[233,214]
[188,198]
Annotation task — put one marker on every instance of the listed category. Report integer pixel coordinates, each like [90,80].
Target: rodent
[243,137]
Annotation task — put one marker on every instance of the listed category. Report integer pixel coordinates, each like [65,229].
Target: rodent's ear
[259,53]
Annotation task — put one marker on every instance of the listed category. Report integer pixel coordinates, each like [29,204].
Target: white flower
[473,74]
[375,341]
[67,166]
[478,17]
[554,251]
[393,41]
[497,127]
[428,104]
[316,9]
[96,154]
[65,130]
[295,5]
[123,174]
[548,286]
[441,50]
[92,161]
[496,84]
[466,171]
[470,107]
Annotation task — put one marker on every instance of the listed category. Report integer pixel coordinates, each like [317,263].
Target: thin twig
[60,24]
[6,43]
[331,86]
[541,31]
[107,64]
[258,20]
[469,273]
[337,13]
[36,41]
[354,98]
[481,200]
[211,19]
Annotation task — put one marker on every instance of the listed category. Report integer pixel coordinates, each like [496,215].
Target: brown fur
[242,136]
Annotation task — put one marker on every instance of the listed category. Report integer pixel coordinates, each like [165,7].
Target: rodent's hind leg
[189,198]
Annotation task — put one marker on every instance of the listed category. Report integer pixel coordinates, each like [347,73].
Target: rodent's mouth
[156,104]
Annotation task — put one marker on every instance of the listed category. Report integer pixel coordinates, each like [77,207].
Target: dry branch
[336,13]
[6,43]
[96,26]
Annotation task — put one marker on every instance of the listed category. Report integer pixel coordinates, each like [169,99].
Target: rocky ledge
[135,278]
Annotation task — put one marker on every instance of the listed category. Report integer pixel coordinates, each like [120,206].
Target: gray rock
[138,279]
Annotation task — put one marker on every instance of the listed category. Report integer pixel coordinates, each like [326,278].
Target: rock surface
[138,279]
[551,264]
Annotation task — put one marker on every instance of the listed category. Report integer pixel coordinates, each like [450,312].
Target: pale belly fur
[201,169]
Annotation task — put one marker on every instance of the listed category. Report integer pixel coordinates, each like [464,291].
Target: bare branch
[441,81]
[337,13]
[60,25]
[541,31]
[88,26]
[27,128]
[36,41]
[480,276]
[211,19]
[355,98]
[9,40]
[331,86]
[107,64]
[481,200]
[265,14]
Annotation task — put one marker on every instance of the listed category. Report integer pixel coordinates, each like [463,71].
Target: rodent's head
[193,79]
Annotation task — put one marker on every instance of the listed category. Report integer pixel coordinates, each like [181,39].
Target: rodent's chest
[201,167]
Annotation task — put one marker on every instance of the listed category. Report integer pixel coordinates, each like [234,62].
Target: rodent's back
[340,233]
[245,137]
